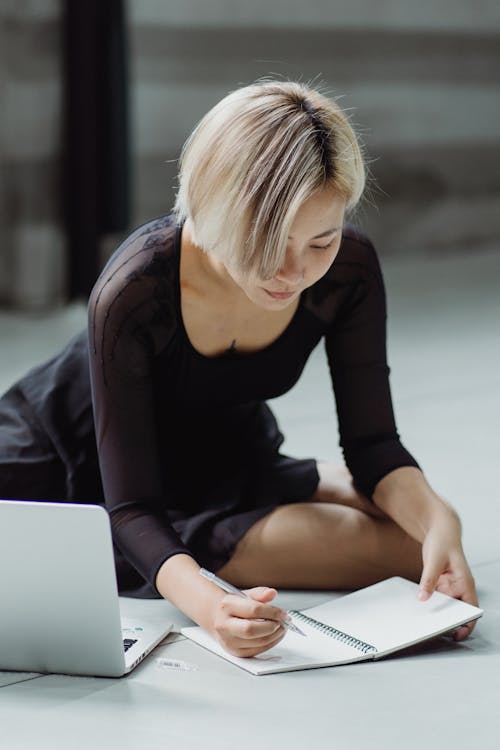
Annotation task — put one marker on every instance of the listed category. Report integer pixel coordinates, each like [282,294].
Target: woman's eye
[322,247]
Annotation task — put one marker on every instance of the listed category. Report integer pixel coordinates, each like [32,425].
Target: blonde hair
[253,160]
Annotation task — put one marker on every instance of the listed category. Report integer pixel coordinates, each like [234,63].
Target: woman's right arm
[130,319]
[244,627]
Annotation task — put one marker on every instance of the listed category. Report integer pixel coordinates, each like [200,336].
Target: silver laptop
[59,606]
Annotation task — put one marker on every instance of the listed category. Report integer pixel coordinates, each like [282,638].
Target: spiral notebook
[367,624]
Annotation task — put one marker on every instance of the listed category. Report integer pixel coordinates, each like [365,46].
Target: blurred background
[97,97]
[96,100]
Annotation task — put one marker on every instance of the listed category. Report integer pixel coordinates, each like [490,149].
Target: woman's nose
[291,272]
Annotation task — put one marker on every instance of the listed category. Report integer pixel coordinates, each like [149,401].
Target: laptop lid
[59,608]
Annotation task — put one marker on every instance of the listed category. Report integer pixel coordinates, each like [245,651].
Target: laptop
[59,605]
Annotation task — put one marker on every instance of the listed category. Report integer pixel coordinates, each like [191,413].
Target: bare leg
[337,540]
[336,486]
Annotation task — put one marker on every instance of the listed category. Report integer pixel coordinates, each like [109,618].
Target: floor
[444,350]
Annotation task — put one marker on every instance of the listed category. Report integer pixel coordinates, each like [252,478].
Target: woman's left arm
[406,496]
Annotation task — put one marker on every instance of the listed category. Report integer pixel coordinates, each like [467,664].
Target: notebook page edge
[415,642]
[258,665]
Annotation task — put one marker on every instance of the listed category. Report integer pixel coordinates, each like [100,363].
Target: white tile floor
[444,349]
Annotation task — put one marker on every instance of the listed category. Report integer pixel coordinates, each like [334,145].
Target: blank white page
[388,615]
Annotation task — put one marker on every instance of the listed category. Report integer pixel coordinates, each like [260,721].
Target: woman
[197,320]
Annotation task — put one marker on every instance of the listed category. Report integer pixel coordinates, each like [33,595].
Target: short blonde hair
[253,160]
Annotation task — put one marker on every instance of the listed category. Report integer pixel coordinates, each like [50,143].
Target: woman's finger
[464,631]
[245,648]
[434,565]
[251,609]
[261,593]
[252,630]
[429,580]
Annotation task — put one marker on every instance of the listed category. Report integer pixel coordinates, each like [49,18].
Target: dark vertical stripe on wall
[96,147]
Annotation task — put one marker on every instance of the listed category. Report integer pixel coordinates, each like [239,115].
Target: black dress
[184,451]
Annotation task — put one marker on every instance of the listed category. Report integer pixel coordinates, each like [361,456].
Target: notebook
[59,604]
[367,624]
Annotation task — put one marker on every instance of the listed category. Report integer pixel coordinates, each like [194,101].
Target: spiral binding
[339,635]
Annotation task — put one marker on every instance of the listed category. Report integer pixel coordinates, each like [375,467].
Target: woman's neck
[204,272]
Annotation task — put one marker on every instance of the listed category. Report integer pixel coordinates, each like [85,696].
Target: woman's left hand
[445,568]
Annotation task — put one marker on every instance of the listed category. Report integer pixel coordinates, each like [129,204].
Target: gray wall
[421,81]
[31,237]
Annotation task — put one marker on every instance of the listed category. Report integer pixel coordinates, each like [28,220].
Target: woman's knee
[336,487]
[303,531]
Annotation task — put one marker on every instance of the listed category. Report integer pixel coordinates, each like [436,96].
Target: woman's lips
[279,295]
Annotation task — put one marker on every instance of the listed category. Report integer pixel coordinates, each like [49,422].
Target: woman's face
[313,243]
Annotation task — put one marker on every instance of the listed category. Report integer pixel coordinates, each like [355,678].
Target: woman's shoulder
[356,251]
[150,245]
[145,258]
[355,267]
[136,290]
[356,261]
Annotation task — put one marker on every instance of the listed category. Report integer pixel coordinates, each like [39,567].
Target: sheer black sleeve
[131,317]
[356,349]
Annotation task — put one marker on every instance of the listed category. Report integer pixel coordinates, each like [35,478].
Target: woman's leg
[337,540]
[336,486]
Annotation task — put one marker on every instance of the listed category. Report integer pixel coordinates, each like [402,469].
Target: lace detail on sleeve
[132,318]
[132,307]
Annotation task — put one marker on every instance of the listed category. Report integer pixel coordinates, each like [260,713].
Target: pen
[230,589]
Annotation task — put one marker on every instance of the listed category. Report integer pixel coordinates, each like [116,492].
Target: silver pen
[230,589]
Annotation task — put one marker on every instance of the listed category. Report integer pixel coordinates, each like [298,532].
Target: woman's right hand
[247,627]
[244,627]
